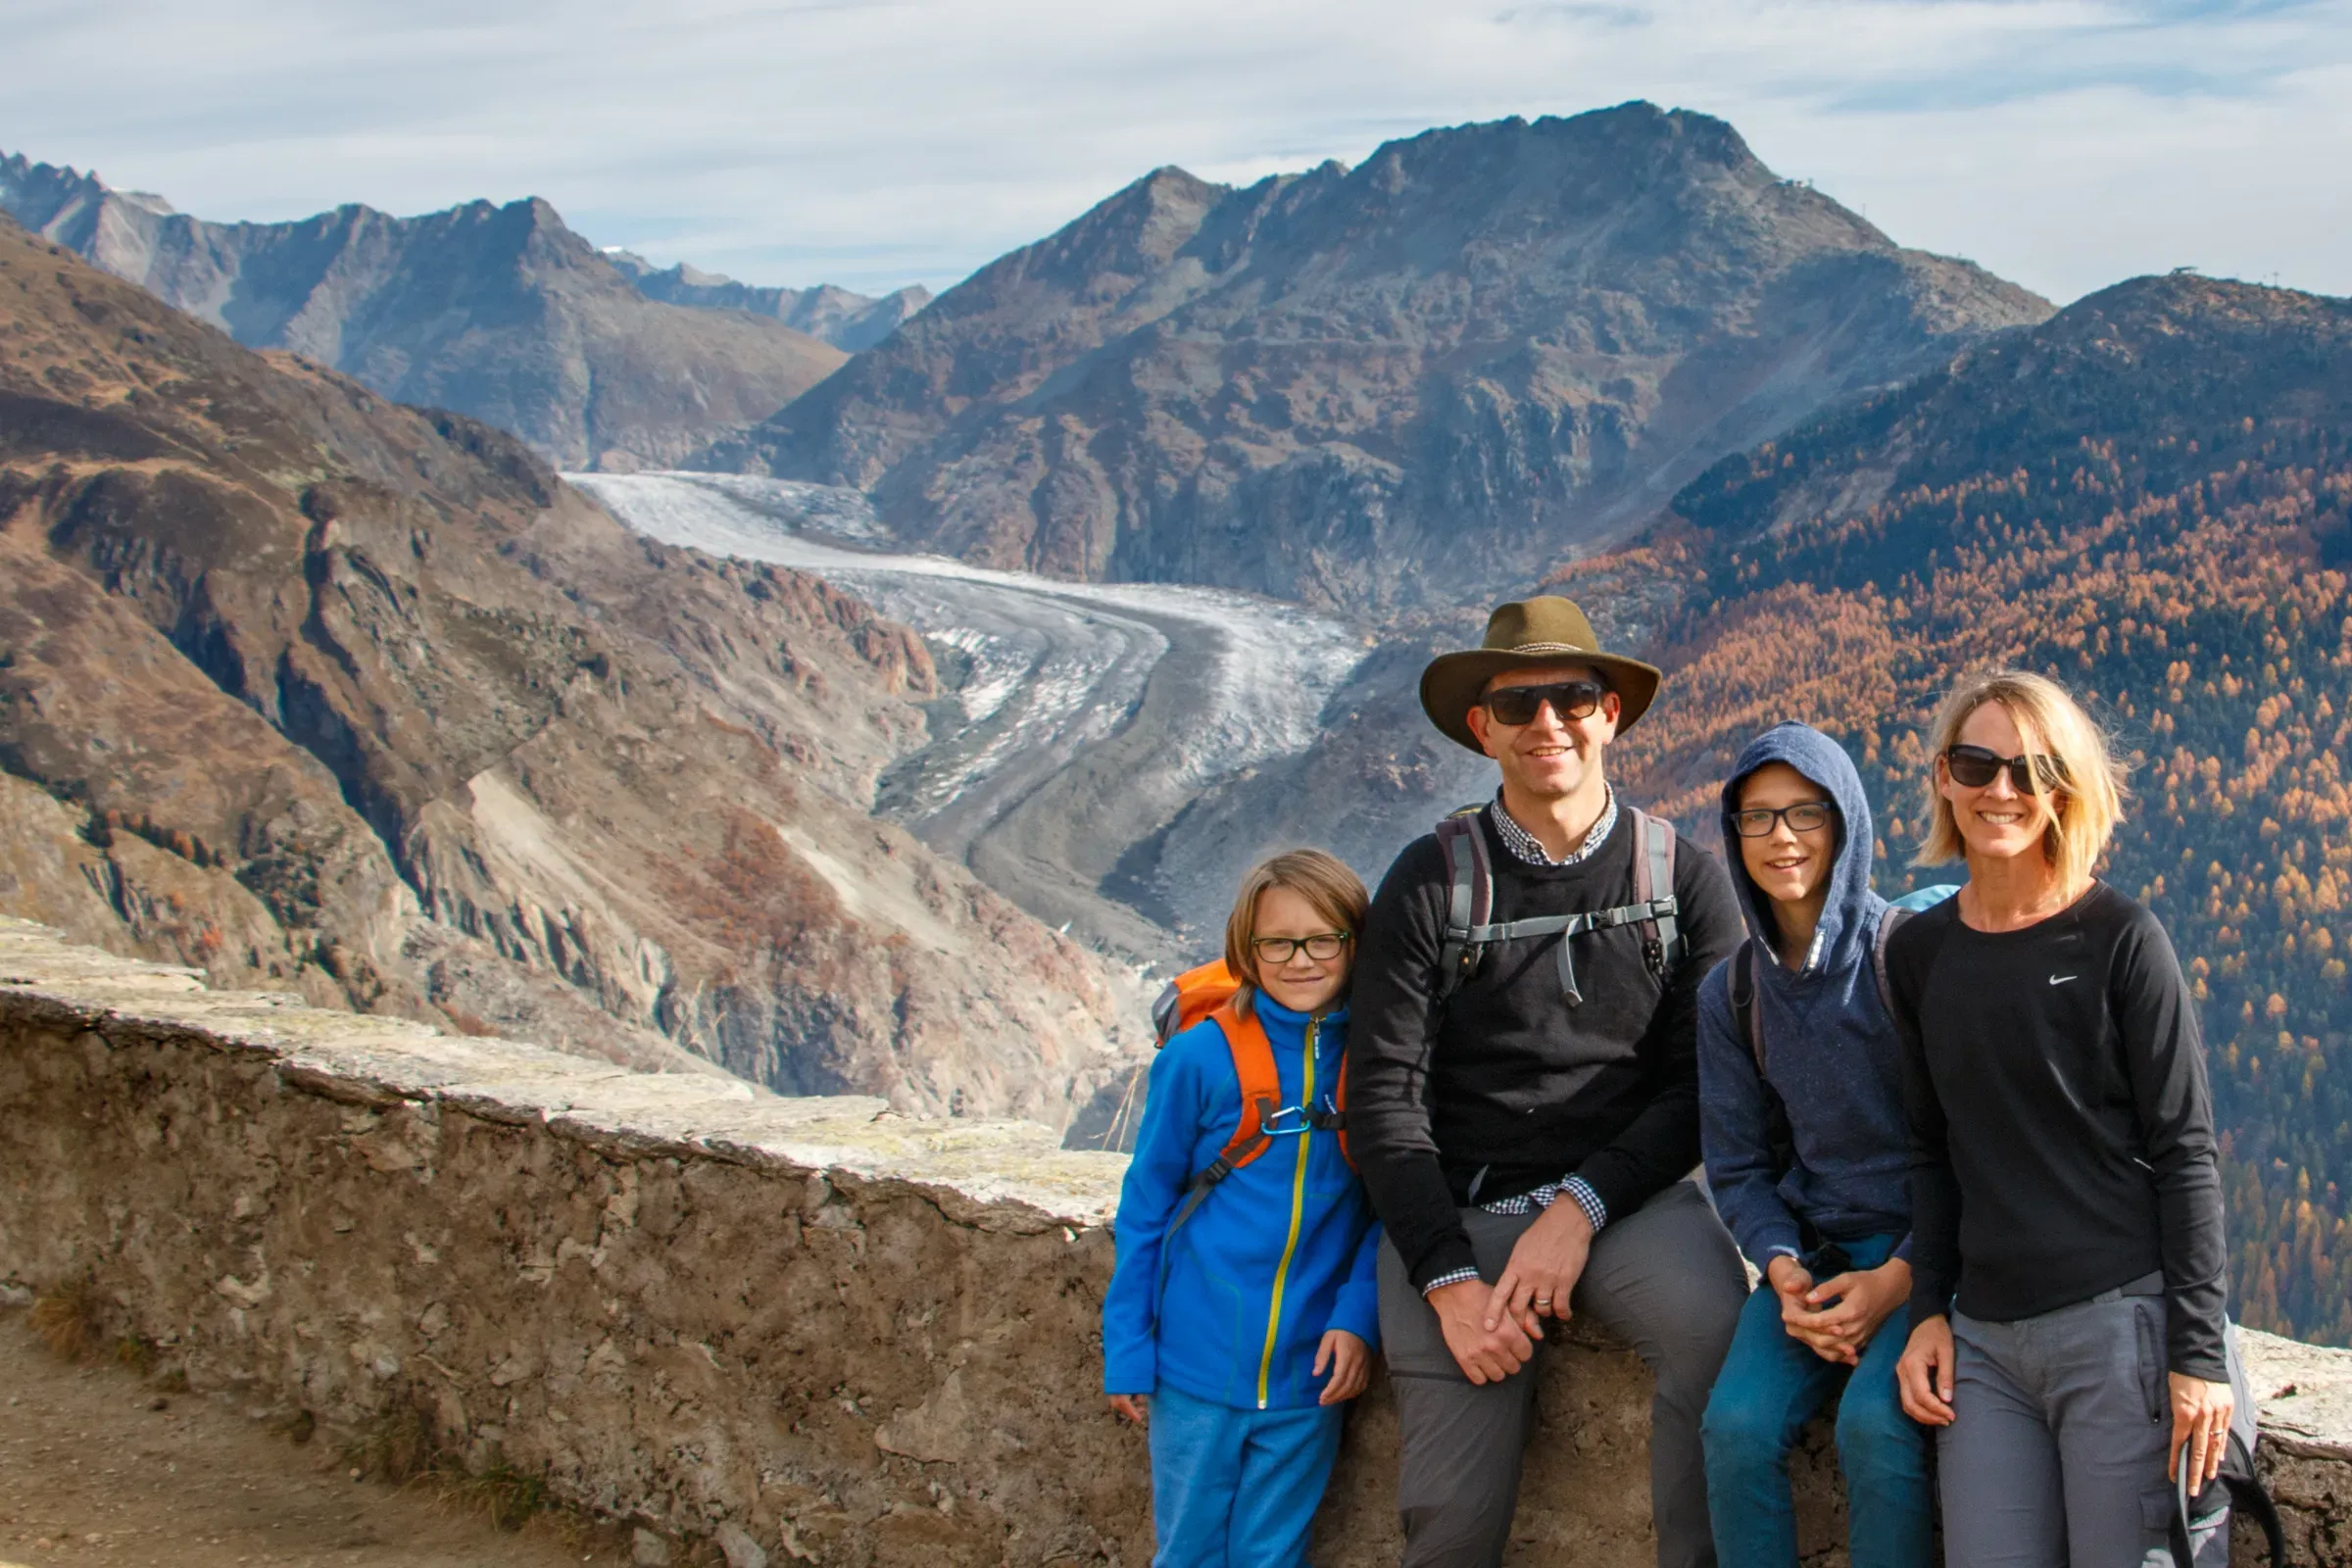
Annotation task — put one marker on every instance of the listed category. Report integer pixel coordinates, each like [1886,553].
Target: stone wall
[809,1330]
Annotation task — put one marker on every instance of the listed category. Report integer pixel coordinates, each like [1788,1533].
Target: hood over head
[1849,917]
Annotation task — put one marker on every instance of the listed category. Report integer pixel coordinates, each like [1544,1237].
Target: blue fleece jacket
[1279,1253]
[1830,1050]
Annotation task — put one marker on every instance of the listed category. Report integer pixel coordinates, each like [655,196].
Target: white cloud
[2063,143]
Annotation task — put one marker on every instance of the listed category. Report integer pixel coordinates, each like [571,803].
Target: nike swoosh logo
[2060,979]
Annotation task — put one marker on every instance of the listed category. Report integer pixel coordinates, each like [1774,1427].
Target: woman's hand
[1925,1373]
[1132,1408]
[2201,1412]
[1350,1361]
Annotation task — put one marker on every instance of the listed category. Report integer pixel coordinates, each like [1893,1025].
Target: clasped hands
[1834,1318]
[1493,1330]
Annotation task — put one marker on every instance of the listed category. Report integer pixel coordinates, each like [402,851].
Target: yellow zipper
[1307,1097]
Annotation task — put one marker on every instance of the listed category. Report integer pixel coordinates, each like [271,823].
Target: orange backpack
[1211,992]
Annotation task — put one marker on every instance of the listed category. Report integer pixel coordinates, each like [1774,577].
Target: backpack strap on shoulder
[1261,1095]
[1653,885]
[1742,986]
[1469,898]
[1878,955]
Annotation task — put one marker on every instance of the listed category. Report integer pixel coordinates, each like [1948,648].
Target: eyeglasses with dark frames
[1806,817]
[1571,700]
[1322,947]
[1976,766]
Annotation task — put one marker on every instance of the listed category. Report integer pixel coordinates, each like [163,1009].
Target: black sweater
[1509,1078]
[2061,1125]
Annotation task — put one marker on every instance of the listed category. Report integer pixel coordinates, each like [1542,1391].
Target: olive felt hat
[1546,630]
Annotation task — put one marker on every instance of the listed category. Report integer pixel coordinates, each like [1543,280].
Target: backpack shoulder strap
[1338,1103]
[1743,987]
[1261,1088]
[1653,885]
[1261,1095]
[1878,957]
[1469,896]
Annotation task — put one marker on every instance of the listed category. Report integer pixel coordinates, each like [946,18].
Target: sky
[2065,144]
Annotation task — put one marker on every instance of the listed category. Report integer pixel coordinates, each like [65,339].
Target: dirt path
[98,1470]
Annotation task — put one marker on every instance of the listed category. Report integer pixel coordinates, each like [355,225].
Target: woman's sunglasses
[1974,766]
[1571,700]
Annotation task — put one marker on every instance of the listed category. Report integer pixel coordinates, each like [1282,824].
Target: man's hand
[1925,1373]
[1485,1354]
[1543,1269]
[1132,1408]
[2201,1412]
[1350,1362]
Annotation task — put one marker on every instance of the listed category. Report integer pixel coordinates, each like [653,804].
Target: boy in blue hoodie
[1241,1317]
[1807,1153]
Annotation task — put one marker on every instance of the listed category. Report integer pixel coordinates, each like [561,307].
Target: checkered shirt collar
[1526,846]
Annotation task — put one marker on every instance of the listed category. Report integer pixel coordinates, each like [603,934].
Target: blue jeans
[1236,1488]
[1772,1384]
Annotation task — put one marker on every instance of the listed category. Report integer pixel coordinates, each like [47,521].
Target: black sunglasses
[1571,700]
[1806,817]
[1976,766]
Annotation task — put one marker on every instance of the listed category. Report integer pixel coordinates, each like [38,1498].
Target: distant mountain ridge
[1398,384]
[500,313]
[851,323]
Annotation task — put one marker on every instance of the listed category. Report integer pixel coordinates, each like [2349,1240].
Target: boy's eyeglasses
[1571,700]
[1974,766]
[1806,817]
[1322,947]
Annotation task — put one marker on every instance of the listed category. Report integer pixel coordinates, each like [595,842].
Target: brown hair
[2084,807]
[1323,880]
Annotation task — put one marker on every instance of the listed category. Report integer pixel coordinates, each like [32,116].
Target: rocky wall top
[999,1175]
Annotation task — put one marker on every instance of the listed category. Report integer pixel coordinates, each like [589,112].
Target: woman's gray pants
[1665,1278]
[2062,1428]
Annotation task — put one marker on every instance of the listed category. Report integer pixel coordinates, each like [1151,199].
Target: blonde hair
[2086,802]
[1323,880]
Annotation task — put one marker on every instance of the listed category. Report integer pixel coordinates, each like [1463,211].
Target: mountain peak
[1384,384]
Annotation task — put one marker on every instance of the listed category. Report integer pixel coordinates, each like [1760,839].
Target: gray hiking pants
[1666,1278]
[2062,1426]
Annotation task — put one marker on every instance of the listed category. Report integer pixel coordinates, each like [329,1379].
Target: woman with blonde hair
[2068,1316]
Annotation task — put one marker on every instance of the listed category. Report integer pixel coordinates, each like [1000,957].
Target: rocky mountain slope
[2149,496]
[851,323]
[312,690]
[500,313]
[1404,383]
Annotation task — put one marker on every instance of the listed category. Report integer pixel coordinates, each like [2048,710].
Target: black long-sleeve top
[1508,1078]
[2062,1136]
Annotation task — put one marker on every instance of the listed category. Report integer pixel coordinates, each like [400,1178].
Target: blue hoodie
[1280,1253]
[1830,1048]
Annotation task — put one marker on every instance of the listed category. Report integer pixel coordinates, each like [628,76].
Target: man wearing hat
[1524,1117]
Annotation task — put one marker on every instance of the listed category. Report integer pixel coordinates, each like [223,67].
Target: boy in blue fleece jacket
[1242,1331]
